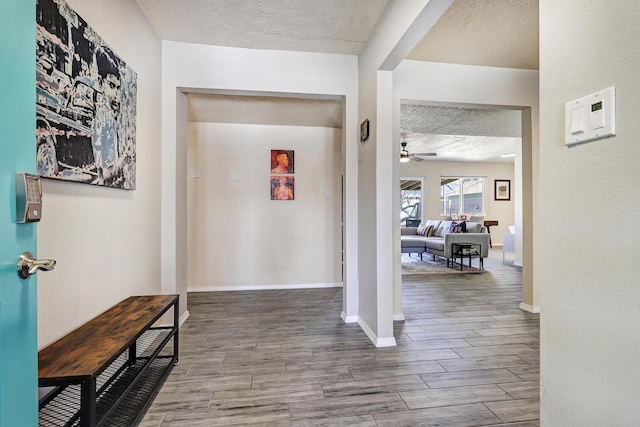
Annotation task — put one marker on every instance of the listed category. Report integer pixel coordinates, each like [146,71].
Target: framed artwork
[282,187]
[502,189]
[282,162]
[85,102]
[364,130]
[454,216]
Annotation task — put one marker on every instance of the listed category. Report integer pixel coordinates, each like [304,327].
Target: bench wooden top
[86,352]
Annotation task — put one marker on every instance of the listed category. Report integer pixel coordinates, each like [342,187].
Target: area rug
[412,264]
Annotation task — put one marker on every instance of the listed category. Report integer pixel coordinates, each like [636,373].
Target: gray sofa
[441,242]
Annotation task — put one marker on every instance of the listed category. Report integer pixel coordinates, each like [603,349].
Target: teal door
[18,308]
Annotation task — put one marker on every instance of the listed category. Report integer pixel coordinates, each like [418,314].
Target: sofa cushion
[433,222]
[443,228]
[413,241]
[474,227]
[412,231]
[436,244]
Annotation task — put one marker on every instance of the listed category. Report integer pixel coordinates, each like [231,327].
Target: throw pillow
[458,227]
[431,231]
[424,230]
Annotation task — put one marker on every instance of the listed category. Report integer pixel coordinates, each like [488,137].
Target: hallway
[466,356]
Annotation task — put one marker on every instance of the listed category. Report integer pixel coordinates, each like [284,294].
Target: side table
[489,224]
[470,250]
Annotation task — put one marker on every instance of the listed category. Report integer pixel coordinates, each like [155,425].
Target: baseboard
[378,342]
[265,287]
[348,319]
[398,317]
[530,308]
[183,318]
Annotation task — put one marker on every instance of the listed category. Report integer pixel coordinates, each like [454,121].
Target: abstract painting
[85,102]
[282,187]
[282,161]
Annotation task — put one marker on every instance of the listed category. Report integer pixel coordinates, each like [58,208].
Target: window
[411,199]
[462,195]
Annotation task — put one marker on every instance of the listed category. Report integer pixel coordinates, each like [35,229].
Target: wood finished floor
[466,356]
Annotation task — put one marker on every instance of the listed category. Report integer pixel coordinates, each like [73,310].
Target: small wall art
[85,102]
[282,162]
[364,130]
[502,189]
[282,187]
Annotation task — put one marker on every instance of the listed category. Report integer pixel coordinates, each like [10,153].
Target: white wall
[502,211]
[106,241]
[241,239]
[590,340]
[189,67]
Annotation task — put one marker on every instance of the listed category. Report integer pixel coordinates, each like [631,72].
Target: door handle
[28,265]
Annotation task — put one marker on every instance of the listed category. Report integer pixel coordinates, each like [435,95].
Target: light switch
[591,117]
[577,120]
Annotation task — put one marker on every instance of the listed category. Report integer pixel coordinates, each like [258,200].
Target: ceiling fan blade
[424,154]
[417,159]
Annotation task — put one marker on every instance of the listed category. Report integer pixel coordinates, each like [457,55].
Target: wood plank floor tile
[240,398]
[214,417]
[475,363]
[522,390]
[452,396]
[526,373]
[417,355]
[449,334]
[355,421]
[468,378]
[516,410]
[346,405]
[496,350]
[458,416]
[534,423]
[434,344]
[393,384]
[310,376]
[505,339]
[385,370]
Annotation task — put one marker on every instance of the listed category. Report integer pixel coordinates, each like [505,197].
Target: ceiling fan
[405,156]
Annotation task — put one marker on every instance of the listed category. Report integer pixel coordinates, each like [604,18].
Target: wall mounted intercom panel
[28,198]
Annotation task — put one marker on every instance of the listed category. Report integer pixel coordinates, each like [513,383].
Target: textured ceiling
[495,33]
[330,26]
[498,33]
[460,134]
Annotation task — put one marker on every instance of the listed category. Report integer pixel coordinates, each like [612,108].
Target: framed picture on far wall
[282,187]
[282,162]
[502,189]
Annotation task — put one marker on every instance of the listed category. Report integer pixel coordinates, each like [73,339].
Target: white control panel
[590,118]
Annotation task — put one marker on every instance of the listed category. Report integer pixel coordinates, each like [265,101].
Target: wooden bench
[107,371]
